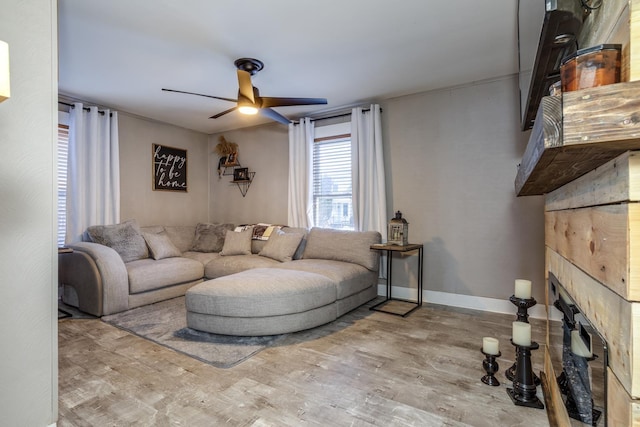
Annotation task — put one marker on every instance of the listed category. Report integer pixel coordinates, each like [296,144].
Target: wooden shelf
[244,184]
[577,133]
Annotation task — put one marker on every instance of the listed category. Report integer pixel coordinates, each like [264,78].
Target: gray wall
[265,150]
[138,200]
[452,158]
[28,254]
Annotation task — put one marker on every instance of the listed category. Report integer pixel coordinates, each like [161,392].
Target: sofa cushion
[210,237]
[125,238]
[237,242]
[148,274]
[181,235]
[202,257]
[349,278]
[160,245]
[261,292]
[225,265]
[343,245]
[281,246]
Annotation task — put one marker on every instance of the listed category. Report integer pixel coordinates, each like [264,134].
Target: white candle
[578,346]
[523,289]
[490,345]
[522,334]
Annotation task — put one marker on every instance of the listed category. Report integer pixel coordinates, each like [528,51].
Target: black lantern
[398,231]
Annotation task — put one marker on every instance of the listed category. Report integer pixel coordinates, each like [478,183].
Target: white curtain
[300,209]
[93,171]
[369,188]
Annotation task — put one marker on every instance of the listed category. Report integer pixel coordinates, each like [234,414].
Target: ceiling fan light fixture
[249,101]
[248,109]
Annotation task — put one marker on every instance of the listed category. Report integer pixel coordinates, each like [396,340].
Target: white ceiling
[120,53]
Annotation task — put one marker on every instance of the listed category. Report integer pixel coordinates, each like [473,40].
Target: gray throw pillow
[237,243]
[125,238]
[281,246]
[160,245]
[210,237]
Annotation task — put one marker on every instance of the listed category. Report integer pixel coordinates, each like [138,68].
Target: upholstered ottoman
[262,301]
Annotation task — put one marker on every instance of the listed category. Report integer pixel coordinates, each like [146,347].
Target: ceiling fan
[249,100]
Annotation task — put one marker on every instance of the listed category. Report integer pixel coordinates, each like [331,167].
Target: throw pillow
[263,231]
[125,238]
[237,243]
[210,237]
[160,245]
[281,246]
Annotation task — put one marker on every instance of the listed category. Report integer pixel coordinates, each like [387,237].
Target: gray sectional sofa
[124,266]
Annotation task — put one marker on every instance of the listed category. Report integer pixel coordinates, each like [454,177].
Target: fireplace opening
[579,353]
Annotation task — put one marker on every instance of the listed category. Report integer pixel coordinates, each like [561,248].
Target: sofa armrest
[98,276]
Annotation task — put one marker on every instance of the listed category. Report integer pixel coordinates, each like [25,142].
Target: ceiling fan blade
[224,112]
[245,87]
[283,102]
[274,115]
[200,94]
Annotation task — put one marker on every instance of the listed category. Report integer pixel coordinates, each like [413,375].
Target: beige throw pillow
[237,243]
[281,246]
[160,245]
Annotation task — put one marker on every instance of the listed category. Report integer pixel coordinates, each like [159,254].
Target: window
[332,182]
[63,152]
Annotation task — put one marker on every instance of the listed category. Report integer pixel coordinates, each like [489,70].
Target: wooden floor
[367,368]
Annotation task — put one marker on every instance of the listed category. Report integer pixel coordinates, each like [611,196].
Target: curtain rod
[334,117]
[294,122]
[84,108]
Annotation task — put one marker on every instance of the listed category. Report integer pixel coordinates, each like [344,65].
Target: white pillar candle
[578,346]
[522,334]
[490,345]
[523,289]
[5,83]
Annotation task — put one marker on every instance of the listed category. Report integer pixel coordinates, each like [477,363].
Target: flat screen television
[548,31]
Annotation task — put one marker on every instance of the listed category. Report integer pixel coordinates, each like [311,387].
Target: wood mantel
[595,126]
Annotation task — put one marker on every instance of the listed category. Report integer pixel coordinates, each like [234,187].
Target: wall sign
[169,168]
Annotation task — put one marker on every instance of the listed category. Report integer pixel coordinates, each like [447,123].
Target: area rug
[165,323]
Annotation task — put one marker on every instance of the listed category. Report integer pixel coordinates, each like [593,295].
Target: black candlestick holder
[491,367]
[523,304]
[524,388]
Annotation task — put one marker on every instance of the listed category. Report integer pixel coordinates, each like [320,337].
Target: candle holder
[524,388]
[491,367]
[523,307]
[523,304]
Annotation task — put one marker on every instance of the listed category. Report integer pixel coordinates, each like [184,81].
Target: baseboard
[493,305]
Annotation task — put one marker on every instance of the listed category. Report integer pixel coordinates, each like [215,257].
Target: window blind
[332,183]
[63,152]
